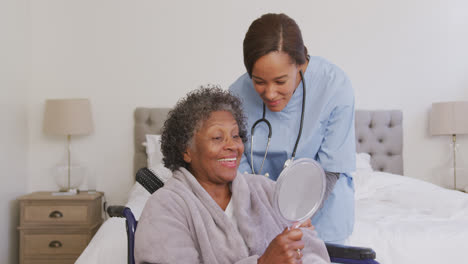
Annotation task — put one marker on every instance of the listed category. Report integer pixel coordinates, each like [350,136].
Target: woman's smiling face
[275,78]
[216,150]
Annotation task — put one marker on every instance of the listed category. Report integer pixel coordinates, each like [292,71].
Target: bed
[403,219]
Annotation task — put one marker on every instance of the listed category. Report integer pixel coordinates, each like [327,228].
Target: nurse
[275,58]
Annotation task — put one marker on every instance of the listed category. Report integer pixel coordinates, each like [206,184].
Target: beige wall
[123,54]
[14,79]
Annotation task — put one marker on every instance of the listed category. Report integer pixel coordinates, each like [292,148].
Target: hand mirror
[299,190]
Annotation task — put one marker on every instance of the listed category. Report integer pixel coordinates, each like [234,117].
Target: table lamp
[450,118]
[68,117]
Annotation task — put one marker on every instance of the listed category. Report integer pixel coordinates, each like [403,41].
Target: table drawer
[55,214]
[54,244]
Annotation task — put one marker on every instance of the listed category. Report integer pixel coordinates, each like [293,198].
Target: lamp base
[66,193]
[449,173]
[67,182]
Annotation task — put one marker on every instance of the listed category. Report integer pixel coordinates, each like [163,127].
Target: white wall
[14,77]
[123,54]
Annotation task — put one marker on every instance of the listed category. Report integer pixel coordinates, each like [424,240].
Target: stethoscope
[264,120]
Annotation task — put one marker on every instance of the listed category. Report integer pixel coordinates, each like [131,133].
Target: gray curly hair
[188,116]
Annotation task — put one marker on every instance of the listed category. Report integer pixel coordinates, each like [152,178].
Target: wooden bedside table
[56,229]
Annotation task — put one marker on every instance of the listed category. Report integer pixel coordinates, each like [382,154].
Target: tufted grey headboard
[379,133]
[147,121]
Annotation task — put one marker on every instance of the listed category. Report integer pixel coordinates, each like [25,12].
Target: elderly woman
[208,212]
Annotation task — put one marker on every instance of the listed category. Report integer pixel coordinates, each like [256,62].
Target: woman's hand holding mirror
[284,248]
[298,194]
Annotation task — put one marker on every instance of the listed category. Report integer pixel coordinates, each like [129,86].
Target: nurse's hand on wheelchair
[284,248]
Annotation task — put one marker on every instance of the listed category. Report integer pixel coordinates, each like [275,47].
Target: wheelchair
[338,253]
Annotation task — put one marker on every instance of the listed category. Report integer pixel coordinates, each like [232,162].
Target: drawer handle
[56,214]
[55,244]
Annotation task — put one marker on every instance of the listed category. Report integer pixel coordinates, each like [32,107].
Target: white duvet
[109,244]
[403,219]
[406,220]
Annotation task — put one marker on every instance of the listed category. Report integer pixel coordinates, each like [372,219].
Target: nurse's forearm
[331,178]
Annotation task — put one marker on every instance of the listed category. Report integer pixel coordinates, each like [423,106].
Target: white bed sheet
[403,219]
[109,244]
[406,220]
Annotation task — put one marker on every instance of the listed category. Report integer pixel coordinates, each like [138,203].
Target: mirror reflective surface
[299,190]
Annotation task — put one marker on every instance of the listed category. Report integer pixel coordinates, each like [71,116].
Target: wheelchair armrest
[130,224]
[116,211]
[348,252]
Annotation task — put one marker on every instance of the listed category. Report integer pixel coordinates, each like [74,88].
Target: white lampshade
[68,117]
[449,118]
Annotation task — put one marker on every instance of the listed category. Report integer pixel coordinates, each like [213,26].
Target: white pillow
[362,175]
[363,162]
[155,156]
[153,150]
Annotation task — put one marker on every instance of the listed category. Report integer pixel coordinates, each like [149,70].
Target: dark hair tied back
[273,32]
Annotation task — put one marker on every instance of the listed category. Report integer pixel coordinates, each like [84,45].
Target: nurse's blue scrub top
[327,137]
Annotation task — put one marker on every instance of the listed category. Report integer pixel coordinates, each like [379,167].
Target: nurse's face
[216,150]
[275,78]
